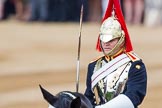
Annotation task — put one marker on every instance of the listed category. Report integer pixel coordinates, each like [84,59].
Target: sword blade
[79,46]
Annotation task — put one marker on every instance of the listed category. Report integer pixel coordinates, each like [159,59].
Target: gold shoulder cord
[98,65]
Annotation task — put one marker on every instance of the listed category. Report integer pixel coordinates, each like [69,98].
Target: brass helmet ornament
[111,29]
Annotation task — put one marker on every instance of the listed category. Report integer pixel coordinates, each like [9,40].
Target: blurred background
[39,41]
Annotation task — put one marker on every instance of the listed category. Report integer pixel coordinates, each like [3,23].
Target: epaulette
[96,59]
[133,56]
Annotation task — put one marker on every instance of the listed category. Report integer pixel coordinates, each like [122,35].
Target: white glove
[121,101]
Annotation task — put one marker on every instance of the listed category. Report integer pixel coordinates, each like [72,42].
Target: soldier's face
[108,46]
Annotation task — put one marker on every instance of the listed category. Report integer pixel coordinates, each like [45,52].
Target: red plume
[115,4]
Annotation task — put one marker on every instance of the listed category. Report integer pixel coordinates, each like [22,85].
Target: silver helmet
[111,29]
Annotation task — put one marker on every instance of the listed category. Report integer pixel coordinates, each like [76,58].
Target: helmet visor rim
[106,37]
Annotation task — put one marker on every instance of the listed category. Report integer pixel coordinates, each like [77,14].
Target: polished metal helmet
[111,29]
[113,26]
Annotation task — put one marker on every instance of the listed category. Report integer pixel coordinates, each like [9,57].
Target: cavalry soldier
[118,79]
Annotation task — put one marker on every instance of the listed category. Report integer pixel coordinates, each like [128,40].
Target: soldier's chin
[106,51]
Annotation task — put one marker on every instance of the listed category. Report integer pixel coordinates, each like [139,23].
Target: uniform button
[138,66]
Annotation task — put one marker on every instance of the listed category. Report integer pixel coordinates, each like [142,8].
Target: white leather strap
[108,68]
